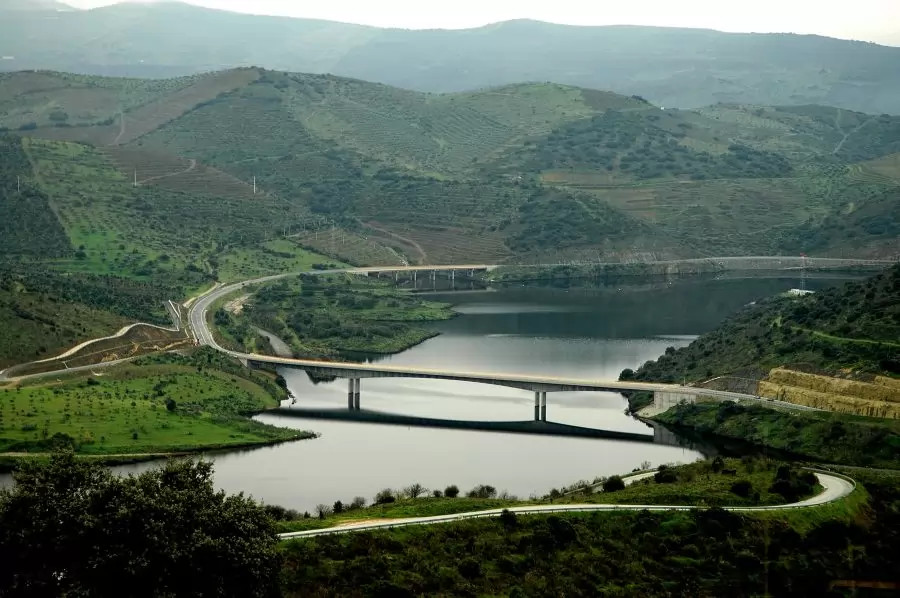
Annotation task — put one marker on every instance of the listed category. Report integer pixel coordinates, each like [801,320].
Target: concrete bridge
[665,395]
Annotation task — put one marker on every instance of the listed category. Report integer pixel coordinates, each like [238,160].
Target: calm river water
[579,332]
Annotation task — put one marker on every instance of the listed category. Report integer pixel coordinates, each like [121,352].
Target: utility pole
[18,184]
[135,177]
[254,185]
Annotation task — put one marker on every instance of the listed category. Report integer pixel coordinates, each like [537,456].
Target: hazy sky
[870,20]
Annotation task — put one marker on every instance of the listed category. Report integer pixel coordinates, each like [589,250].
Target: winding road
[834,488]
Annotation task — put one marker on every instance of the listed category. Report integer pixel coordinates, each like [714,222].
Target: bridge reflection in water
[657,434]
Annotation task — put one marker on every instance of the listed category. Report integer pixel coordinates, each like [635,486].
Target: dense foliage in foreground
[856,326]
[701,553]
[69,528]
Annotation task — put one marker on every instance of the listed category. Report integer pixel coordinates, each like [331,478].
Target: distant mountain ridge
[19,5]
[686,68]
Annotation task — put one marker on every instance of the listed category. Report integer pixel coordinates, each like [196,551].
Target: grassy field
[700,484]
[270,257]
[129,410]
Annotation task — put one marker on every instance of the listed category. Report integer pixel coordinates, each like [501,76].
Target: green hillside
[373,174]
[686,68]
[854,328]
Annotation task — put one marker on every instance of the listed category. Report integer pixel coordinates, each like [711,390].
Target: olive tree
[71,528]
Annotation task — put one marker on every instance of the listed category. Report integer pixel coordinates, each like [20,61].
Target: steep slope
[852,329]
[671,67]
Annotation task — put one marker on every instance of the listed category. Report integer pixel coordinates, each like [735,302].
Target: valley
[694,255]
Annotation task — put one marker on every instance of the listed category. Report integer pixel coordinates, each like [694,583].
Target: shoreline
[9,462]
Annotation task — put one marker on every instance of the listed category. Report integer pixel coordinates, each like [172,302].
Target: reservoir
[591,331]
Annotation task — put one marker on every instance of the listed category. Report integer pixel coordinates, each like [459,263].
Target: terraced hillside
[530,172]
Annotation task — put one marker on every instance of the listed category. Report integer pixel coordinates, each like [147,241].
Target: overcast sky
[869,20]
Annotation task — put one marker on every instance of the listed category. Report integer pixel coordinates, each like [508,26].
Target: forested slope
[849,329]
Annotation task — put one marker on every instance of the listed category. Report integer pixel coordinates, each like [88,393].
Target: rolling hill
[683,68]
[527,172]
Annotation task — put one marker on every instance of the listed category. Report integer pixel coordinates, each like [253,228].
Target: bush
[508,519]
[171,405]
[742,488]
[665,475]
[451,491]
[613,484]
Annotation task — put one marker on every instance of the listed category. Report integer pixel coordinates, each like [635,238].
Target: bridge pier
[543,405]
[353,394]
[663,400]
[537,405]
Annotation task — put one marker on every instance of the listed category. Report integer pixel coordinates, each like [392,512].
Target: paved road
[835,488]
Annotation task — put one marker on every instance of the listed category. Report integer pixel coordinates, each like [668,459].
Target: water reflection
[577,332]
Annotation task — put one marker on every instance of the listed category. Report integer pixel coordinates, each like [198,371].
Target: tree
[385,496]
[415,490]
[451,491]
[613,484]
[323,510]
[338,507]
[71,528]
[482,491]
[171,404]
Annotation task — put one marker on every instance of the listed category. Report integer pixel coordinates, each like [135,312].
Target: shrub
[665,475]
[451,491]
[508,519]
[613,484]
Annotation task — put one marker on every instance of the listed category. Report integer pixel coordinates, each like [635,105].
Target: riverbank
[161,405]
[819,436]
[330,316]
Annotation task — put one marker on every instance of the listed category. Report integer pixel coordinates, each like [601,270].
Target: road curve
[834,488]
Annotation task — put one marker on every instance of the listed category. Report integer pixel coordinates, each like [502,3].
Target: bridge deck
[525,381]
